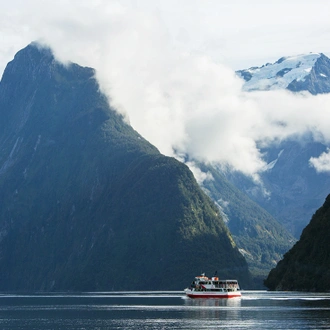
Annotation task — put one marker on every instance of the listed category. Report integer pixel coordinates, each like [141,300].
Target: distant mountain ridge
[86,202]
[296,189]
[306,72]
[259,237]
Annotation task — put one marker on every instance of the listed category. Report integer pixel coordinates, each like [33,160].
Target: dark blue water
[165,310]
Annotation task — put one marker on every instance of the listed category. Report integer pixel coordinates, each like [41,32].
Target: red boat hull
[217,296]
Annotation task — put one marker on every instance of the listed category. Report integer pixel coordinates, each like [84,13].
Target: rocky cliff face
[306,266]
[318,79]
[86,202]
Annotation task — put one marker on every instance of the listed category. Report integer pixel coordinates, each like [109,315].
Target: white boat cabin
[203,283]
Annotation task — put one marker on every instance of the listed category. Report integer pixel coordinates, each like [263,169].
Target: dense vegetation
[306,267]
[260,238]
[86,202]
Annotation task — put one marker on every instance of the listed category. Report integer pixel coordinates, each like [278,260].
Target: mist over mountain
[296,177]
[87,202]
[85,194]
[294,181]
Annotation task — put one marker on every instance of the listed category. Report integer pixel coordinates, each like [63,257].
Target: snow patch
[271,165]
[281,73]
[246,254]
[37,143]
[222,204]
[10,160]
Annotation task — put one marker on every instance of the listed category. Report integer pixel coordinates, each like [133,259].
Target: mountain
[87,203]
[295,189]
[259,237]
[306,266]
[307,72]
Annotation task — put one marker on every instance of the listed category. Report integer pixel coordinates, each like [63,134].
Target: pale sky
[169,67]
[237,33]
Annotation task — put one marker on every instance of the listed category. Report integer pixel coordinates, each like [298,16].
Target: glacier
[280,74]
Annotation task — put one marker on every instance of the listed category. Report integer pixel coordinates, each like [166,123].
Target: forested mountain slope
[306,267]
[86,202]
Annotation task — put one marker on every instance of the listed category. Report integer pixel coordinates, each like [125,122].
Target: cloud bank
[184,102]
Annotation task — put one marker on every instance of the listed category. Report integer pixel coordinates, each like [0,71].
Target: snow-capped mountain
[308,72]
[295,189]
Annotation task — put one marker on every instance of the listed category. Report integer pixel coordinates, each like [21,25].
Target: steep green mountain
[306,267]
[259,237]
[86,202]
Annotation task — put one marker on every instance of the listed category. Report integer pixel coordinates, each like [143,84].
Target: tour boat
[204,287]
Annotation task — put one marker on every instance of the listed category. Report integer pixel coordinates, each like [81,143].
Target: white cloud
[161,67]
[321,163]
[199,175]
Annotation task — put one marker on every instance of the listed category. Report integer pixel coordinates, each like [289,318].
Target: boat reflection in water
[214,308]
[234,302]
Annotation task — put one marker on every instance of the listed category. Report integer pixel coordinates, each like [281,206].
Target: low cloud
[184,102]
[322,163]
[199,175]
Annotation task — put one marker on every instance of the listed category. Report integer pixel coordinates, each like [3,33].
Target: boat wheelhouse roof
[204,278]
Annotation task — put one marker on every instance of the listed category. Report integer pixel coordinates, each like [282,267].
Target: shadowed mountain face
[86,202]
[306,266]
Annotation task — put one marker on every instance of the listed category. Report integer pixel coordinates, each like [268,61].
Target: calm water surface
[165,310]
